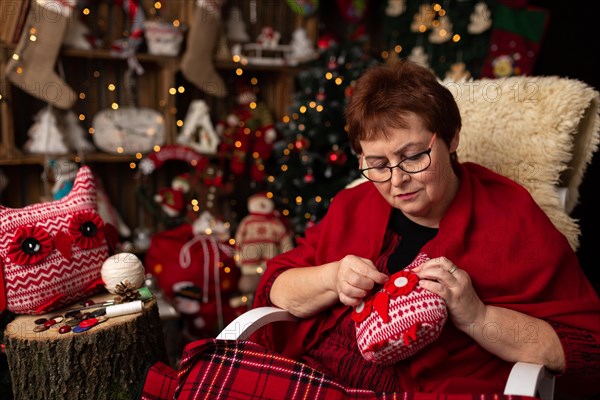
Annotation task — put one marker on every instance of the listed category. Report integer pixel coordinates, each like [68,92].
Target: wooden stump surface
[109,361]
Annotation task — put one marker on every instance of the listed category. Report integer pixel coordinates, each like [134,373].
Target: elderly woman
[510,282]
[512,285]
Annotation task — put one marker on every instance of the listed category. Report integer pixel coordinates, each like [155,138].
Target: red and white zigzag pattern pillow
[51,253]
[400,319]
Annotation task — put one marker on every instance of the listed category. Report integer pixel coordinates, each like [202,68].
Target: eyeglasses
[411,165]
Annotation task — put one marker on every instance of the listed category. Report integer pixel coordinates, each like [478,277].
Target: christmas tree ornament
[172,200]
[78,36]
[236,27]
[75,136]
[418,55]
[458,72]
[45,135]
[480,20]
[197,62]
[309,177]
[213,176]
[395,8]
[517,34]
[423,19]
[442,31]
[223,52]
[337,156]
[302,143]
[31,67]
[122,267]
[325,41]
[198,131]
[302,47]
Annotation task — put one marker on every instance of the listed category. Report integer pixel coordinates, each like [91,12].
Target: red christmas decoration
[337,157]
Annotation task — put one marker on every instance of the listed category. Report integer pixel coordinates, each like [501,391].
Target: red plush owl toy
[51,253]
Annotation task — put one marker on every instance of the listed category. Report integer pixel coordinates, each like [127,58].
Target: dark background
[570,49]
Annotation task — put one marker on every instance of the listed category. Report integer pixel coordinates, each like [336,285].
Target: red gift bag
[198,273]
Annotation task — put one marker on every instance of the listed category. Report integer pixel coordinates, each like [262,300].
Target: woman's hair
[386,94]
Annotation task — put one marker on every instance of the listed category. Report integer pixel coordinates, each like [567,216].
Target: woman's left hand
[443,277]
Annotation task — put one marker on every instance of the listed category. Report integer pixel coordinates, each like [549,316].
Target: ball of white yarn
[121,267]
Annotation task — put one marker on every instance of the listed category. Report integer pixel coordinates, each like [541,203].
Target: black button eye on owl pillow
[51,253]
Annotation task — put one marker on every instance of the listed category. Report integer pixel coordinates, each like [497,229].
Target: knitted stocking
[196,63]
[31,68]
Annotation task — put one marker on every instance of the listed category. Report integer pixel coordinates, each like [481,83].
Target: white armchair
[525,379]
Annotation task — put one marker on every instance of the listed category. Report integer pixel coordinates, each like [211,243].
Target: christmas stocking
[196,63]
[31,67]
[516,38]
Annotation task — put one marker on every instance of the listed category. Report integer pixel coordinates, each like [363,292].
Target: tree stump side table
[109,361]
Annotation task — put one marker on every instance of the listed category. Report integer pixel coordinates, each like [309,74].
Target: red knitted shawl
[494,230]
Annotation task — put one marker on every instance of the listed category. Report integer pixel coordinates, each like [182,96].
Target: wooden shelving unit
[91,71]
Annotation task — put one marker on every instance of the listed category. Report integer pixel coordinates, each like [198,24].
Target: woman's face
[424,196]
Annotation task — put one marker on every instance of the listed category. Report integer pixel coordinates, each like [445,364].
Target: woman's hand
[355,278]
[443,277]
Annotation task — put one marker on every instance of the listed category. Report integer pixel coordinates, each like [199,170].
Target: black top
[412,238]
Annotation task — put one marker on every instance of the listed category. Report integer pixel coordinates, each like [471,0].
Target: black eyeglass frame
[364,171]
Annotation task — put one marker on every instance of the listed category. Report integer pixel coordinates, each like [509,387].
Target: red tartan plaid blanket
[227,369]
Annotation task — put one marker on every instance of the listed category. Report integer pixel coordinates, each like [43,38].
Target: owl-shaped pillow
[400,319]
[51,253]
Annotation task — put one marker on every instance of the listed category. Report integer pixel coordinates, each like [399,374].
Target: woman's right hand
[356,276]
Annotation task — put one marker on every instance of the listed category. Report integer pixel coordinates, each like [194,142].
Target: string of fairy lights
[241,67]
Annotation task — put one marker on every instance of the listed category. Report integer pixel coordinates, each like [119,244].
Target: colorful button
[88,323]
[79,329]
[64,329]
[40,321]
[49,323]
[98,313]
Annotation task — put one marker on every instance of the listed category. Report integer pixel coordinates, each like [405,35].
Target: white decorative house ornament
[395,8]
[198,131]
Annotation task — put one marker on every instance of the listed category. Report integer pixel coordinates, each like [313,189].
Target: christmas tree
[313,159]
